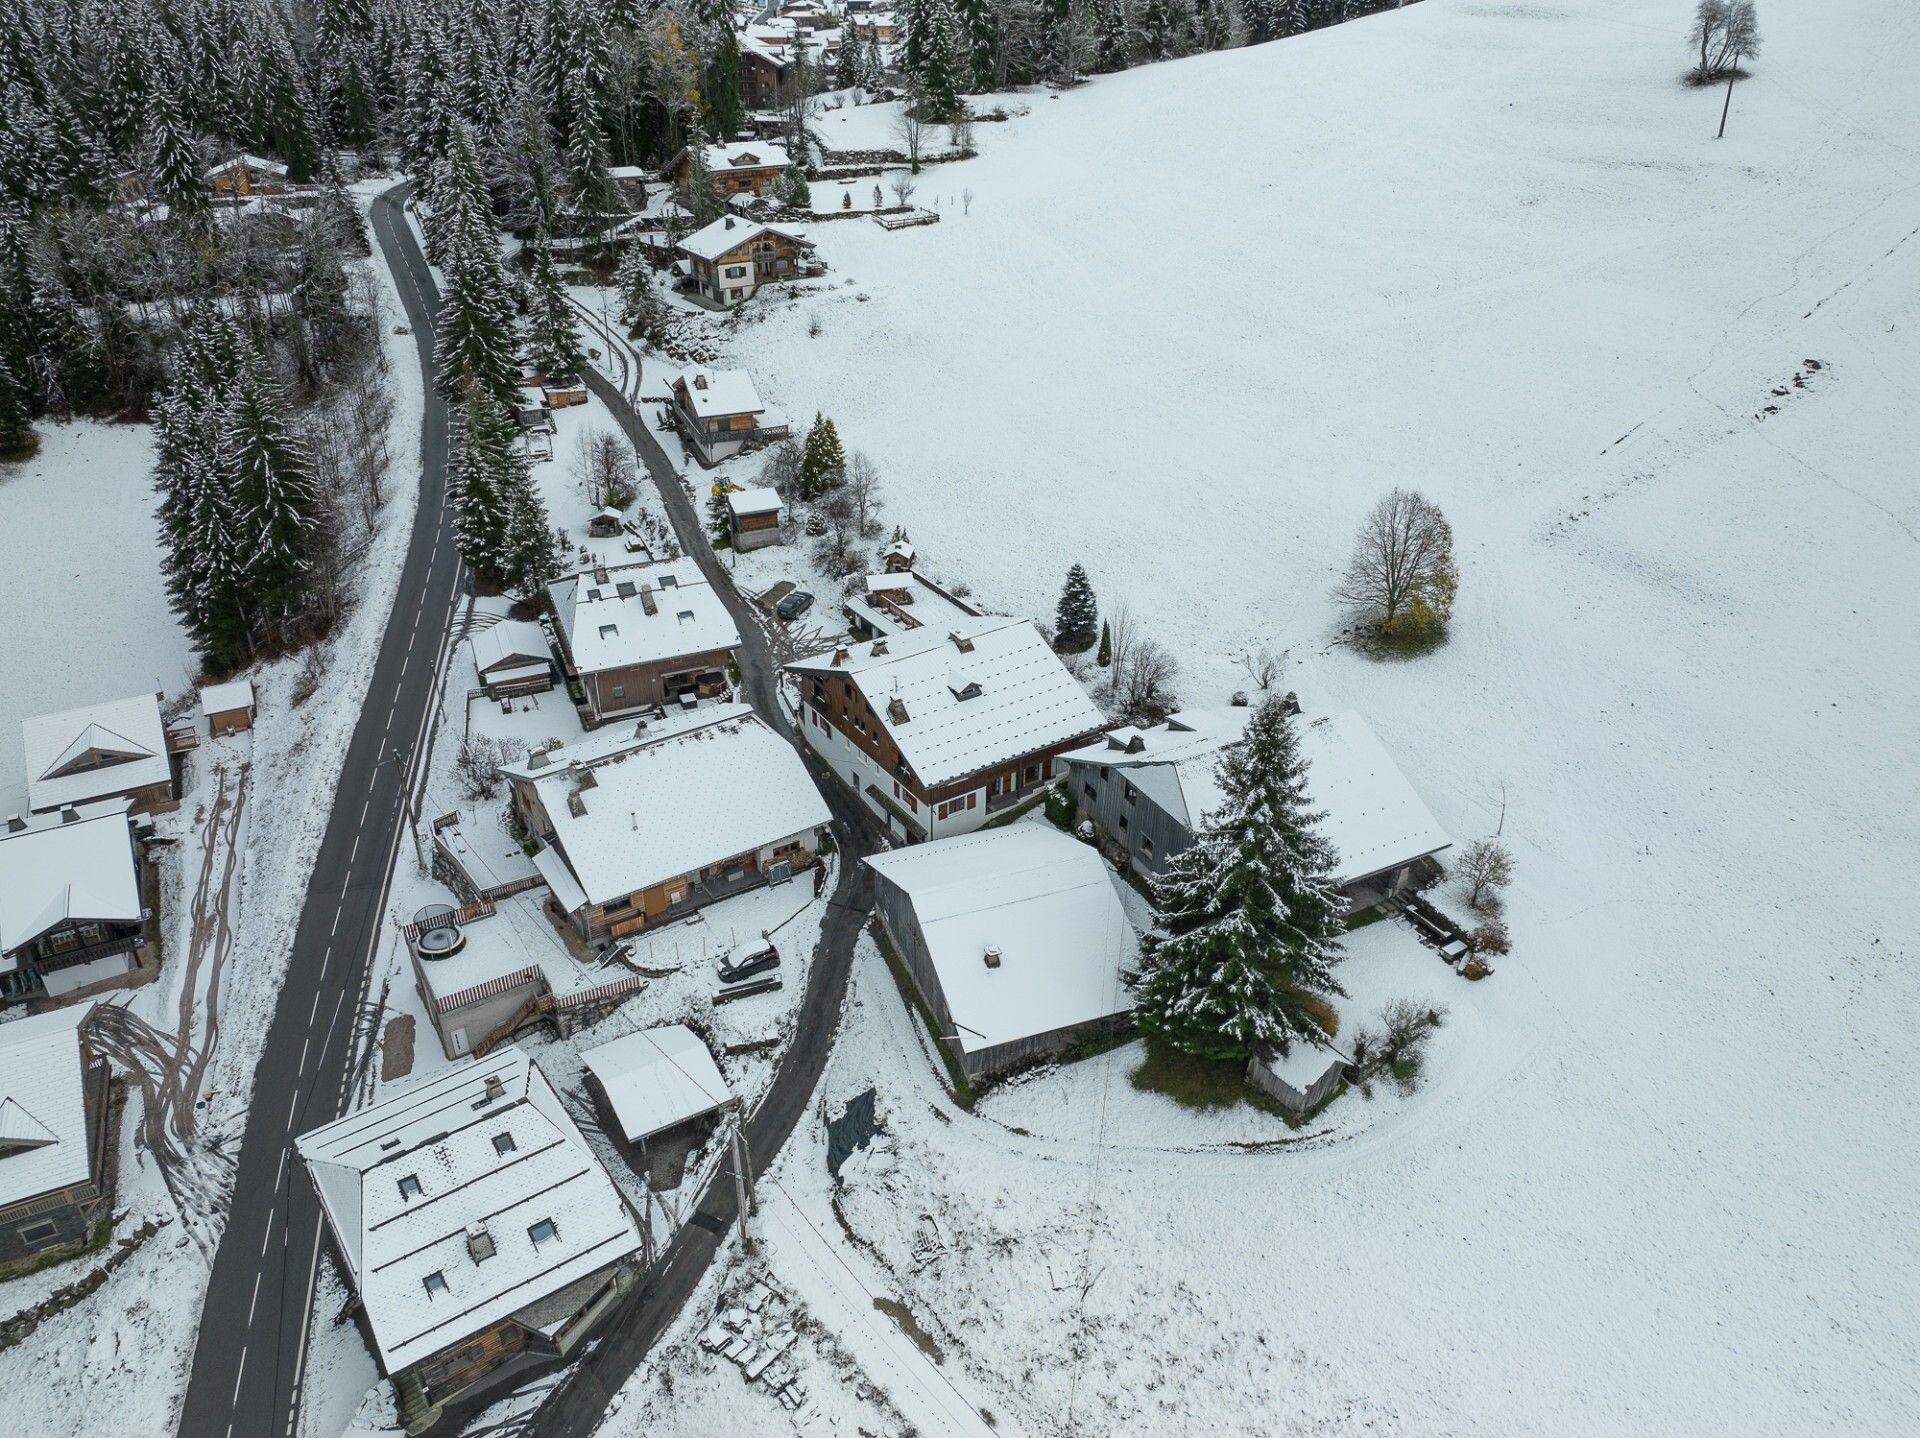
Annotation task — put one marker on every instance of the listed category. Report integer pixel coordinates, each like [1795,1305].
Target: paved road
[246,1373]
[578,1404]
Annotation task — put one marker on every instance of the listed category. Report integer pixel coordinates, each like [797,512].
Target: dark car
[737,968]
[794,605]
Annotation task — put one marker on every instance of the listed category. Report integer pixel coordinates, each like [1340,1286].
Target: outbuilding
[753,518]
[512,657]
[1015,938]
[228,707]
[656,1081]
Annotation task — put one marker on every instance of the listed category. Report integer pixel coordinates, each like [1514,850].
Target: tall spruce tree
[276,503]
[475,342]
[640,305]
[480,483]
[17,439]
[1077,617]
[720,85]
[823,462]
[1248,920]
[553,342]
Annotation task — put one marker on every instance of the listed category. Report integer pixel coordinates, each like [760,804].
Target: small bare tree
[781,470]
[1144,690]
[1264,667]
[903,185]
[1484,868]
[478,764]
[966,201]
[1724,33]
[911,131]
[960,132]
[1401,578]
[604,466]
[863,488]
[839,512]
[1121,635]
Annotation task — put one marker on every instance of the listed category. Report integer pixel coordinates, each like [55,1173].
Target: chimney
[646,599]
[69,814]
[495,1088]
[15,824]
[993,956]
[879,647]
[729,221]
[479,1242]
[599,574]
[840,657]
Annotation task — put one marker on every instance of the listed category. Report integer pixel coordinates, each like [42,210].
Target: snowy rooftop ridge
[1044,903]
[729,232]
[640,614]
[1173,761]
[482,1148]
[713,393]
[663,805]
[43,1104]
[1025,700]
[125,739]
[54,869]
[656,1078]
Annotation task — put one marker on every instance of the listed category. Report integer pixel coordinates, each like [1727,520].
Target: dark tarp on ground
[850,1132]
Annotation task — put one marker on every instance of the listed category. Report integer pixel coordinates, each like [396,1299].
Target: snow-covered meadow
[1199,317]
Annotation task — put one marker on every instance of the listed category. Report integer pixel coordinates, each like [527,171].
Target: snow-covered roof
[510,649]
[223,698]
[406,1180]
[1374,820]
[1026,699]
[640,614]
[617,738]
[1174,761]
[97,749]
[753,501]
[43,1104]
[729,232]
[626,172]
[54,869]
[670,804]
[929,606]
[251,162]
[715,393]
[746,155]
[1045,901]
[657,1078]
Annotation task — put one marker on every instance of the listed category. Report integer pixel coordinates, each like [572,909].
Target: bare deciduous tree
[839,512]
[1484,868]
[605,466]
[966,201]
[478,763]
[911,131]
[863,488]
[1402,577]
[1264,667]
[903,185]
[1144,689]
[781,470]
[1724,33]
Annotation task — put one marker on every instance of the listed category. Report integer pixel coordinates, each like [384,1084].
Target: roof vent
[993,956]
[729,221]
[646,599]
[879,648]
[496,1088]
[577,805]
[897,711]
[69,815]
[961,642]
[840,656]
[599,574]
[1137,744]
[15,823]
[538,759]
[479,1243]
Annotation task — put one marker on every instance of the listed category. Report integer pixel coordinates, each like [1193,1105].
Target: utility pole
[1732,70]
[742,1187]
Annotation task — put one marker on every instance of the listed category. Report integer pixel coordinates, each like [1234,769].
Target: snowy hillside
[1199,317]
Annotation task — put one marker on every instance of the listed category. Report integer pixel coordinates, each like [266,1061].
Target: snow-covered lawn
[1200,316]
[81,555]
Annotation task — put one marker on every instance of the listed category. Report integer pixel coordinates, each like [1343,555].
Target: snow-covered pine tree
[1076,617]
[720,88]
[944,69]
[173,163]
[702,204]
[275,500]
[639,304]
[719,517]
[476,338]
[17,439]
[1248,920]
[553,342]
[823,463]
[530,555]
[980,41]
[480,482]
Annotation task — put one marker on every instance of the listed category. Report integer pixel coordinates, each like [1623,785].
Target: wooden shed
[228,707]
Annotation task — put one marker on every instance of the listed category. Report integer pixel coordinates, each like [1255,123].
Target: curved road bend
[245,1381]
[579,1403]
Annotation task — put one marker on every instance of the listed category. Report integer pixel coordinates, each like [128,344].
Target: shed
[511,657]
[1015,938]
[228,707]
[1298,1076]
[753,518]
[656,1079]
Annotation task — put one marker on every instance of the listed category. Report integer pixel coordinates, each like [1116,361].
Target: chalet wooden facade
[753,518]
[728,260]
[635,637]
[719,413]
[245,176]
[74,917]
[56,1181]
[748,167]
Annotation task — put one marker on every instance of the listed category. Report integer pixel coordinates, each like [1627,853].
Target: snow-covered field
[1198,318]
[81,555]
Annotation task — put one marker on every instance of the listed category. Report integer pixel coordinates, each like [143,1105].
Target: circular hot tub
[436,936]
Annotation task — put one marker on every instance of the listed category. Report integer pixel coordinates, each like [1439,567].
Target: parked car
[738,968]
[794,605]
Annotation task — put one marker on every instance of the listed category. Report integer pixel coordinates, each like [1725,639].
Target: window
[1092,796]
[503,1143]
[434,1283]
[734,272]
[1033,773]
[619,691]
[543,1233]
[33,1235]
[1103,772]
[1146,846]
[1129,793]
[1123,823]
[410,1186]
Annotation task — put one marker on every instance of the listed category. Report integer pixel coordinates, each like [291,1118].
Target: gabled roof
[1045,902]
[670,804]
[657,1078]
[507,648]
[729,232]
[251,162]
[746,155]
[222,698]
[1026,701]
[43,1104]
[58,869]
[753,501]
[126,734]
[497,1162]
[928,605]
[640,614]
[1173,761]
[716,393]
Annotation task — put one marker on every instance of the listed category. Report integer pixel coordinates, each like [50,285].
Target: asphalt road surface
[247,1367]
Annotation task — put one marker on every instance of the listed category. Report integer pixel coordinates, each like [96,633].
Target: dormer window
[410,1186]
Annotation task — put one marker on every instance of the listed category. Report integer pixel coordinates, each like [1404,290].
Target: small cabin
[753,518]
[228,707]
